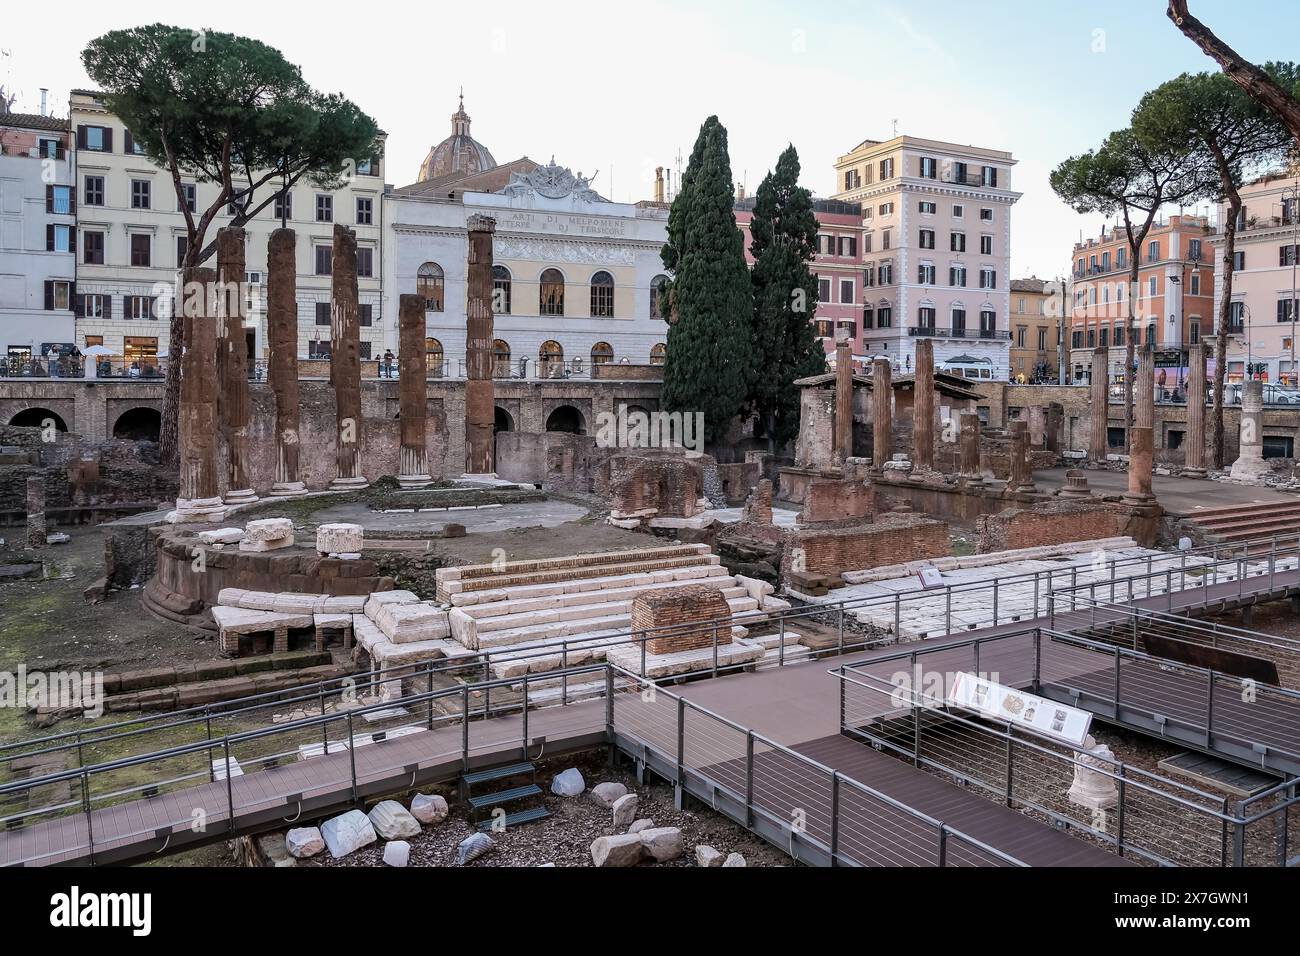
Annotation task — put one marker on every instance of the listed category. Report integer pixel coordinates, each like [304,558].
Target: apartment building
[1263,315]
[936,249]
[132,238]
[1173,306]
[38,241]
[841,280]
[1036,329]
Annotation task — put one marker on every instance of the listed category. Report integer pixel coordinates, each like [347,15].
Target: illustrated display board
[930,578]
[1038,714]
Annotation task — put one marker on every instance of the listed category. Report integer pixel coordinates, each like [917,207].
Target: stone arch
[36,418]
[566,418]
[141,423]
[502,421]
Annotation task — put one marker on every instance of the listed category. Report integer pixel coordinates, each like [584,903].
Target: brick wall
[892,539]
[679,609]
[1055,522]
[838,501]
[670,484]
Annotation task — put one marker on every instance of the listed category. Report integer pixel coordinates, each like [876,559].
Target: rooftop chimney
[659,184]
[44,93]
[740,191]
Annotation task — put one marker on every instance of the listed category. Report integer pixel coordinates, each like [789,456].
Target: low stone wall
[1055,522]
[678,609]
[832,500]
[891,539]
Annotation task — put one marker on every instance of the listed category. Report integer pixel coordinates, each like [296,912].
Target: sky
[613,89]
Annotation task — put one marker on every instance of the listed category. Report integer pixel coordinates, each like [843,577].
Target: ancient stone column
[199,499]
[232,363]
[1250,464]
[1194,440]
[413,388]
[36,531]
[1099,405]
[480,396]
[282,372]
[843,396]
[882,394]
[345,360]
[1140,461]
[1022,472]
[971,473]
[923,407]
[1144,415]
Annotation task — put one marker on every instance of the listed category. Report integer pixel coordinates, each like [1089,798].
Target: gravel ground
[565,837]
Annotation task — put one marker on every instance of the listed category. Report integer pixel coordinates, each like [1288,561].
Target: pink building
[838,266]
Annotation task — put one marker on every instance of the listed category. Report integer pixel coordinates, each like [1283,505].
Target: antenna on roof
[895,122]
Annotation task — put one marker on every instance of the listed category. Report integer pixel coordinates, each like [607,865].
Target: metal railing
[1151,818]
[672,735]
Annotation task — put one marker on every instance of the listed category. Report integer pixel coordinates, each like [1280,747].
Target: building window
[602,295]
[958,321]
[986,215]
[1022,334]
[928,208]
[1286,255]
[139,194]
[1239,260]
[988,323]
[884,317]
[138,307]
[94,307]
[957,276]
[929,167]
[989,177]
[58,238]
[1153,250]
[849,247]
[324,208]
[550,299]
[433,357]
[825,328]
[957,242]
[365,210]
[925,274]
[319,350]
[886,273]
[925,318]
[363,350]
[657,286]
[1194,285]
[886,209]
[58,294]
[365,314]
[658,353]
[550,359]
[92,248]
[189,196]
[986,245]
[868,317]
[365,262]
[958,211]
[1285,309]
[140,250]
[93,193]
[823,289]
[284,207]
[886,169]
[429,284]
[1042,340]
[1151,287]
[927,239]
[1194,331]
[322,313]
[98,139]
[500,359]
[182,247]
[988,278]
[602,353]
[501,289]
[324,260]
[846,291]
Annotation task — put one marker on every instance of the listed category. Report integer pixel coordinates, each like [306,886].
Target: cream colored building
[937,248]
[132,233]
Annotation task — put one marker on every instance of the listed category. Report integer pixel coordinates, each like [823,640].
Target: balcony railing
[942,332]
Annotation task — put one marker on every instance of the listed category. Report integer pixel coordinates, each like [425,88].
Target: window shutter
[72,239]
[79,305]
[49,237]
[108,306]
[108,140]
[128,144]
[72,199]
[81,137]
[49,200]
[153,306]
[49,295]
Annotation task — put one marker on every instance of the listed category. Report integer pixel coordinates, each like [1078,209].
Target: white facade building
[37,241]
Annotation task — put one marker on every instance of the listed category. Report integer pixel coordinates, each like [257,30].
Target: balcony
[943,332]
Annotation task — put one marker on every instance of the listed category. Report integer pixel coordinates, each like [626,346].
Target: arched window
[658,353]
[602,295]
[428,283]
[552,293]
[550,360]
[657,286]
[433,357]
[602,353]
[500,290]
[500,358]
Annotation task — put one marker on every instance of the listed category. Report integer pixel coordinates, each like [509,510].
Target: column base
[1193,473]
[349,484]
[241,496]
[287,489]
[1137,499]
[414,481]
[487,478]
[197,511]
[1250,469]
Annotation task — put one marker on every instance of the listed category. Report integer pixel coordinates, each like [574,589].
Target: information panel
[1038,714]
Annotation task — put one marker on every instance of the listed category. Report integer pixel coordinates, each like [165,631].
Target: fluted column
[282,372]
[1022,472]
[1099,405]
[480,394]
[843,396]
[1250,464]
[882,394]
[345,360]
[923,407]
[1194,440]
[413,388]
[199,499]
[972,474]
[232,363]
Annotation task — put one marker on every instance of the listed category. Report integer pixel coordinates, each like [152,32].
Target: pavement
[531,514]
[1179,495]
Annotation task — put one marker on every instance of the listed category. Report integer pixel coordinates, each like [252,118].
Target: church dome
[458,153]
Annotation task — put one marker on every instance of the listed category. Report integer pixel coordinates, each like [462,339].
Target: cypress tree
[707,367]
[783,234]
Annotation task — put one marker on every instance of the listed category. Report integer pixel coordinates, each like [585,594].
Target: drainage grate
[1218,774]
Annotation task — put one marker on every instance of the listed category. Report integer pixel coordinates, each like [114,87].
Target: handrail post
[352,757]
[841,630]
[207,722]
[1116,710]
[1010,758]
[1239,838]
[85,808]
[1122,786]
[564,681]
[749,778]
[525,717]
[464,728]
[943,845]
[780,648]
[1038,660]
[230,788]
[995,602]
[324,725]
[715,647]
[681,752]
[947,610]
[1209,709]
[898,617]
[430,705]
[609,703]
[835,816]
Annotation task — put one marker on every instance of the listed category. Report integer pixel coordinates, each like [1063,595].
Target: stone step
[539,660]
[486,612]
[505,581]
[692,572]
[573,561]
[1210,515]
[1248,522]
[578,612]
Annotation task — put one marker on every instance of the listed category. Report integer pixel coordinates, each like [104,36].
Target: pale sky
[618,88]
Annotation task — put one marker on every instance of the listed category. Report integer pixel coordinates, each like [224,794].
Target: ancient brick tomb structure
[681,619]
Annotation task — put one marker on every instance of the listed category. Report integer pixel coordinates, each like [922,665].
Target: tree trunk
[1253,81]
[1221,340]
[169,451]
[1129,348]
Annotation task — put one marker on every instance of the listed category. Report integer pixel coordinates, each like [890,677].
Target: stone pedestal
[345,361]
[971,474]
[480,394]
[199,499]
[413,389]
[882,410]
[1076,485]
[923,408]
[1194,440]
[340,538]
[1093,788]
[1250,465]
[1099,406]
[267,534]
[232,363]
[282,371]
[843,396]
[1140,461]
[36,529]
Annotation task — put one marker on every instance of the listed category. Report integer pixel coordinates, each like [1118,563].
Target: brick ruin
[645,487]
[890,539]
[681,618]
